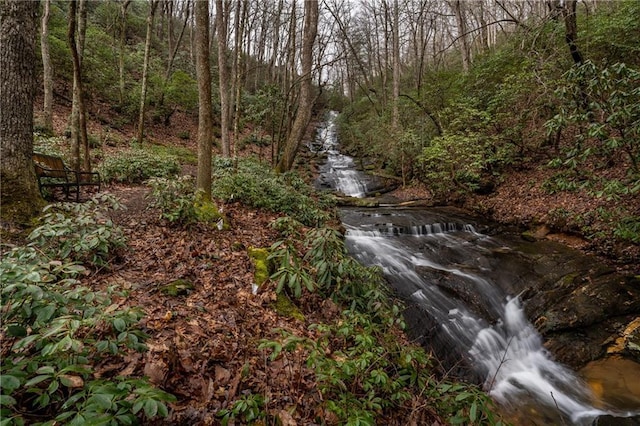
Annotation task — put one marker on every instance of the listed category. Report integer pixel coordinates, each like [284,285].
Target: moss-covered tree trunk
[20,198]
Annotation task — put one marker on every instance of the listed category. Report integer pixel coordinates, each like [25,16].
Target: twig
[502,361]
[558,408]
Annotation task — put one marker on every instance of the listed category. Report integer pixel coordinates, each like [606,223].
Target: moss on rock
[261,264]
[285,307]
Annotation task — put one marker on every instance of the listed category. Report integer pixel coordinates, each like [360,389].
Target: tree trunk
[396,67]
[123,33]
[276,42]
[82,108]
[77,86]
[205,111]
[47,69]
[19,197]
[222,24]
[305,106]
[241,17]
[571,30]
[462,34]
[153,4]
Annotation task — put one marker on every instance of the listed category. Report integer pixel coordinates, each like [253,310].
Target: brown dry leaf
[286,419]
[222,375]
[156,370]
[133,361]
[71,381]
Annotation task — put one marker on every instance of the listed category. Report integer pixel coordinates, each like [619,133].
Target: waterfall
[339,169]
[445,268]
[504,348]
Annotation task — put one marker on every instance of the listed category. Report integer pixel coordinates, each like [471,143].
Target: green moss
[285,307]
[179,287]
[206,211]
[567,280]
[261,264]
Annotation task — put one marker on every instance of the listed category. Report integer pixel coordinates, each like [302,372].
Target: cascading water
[442,267]
[339,169]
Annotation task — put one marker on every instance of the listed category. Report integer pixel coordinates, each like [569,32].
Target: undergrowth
[56,331]
[138,165]
[255,184]
[362,369]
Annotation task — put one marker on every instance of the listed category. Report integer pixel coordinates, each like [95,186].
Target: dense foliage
[255,184]
[523,104]
[57,332]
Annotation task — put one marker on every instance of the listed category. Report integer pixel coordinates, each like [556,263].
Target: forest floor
[203,344]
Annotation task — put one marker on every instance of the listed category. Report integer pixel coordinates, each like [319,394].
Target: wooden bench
[53,173]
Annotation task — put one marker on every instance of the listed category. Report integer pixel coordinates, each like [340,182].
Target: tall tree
[153,4]
[124,5]
[461,20]
[47,69]
[79,137]
[305,99]
[19,196]
[223,13]
[396,65]
[205,110]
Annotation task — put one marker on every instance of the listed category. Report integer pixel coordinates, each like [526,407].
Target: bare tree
[124,5]
[205,110]
[305,100]
[47,69]
[461,19]
[153,4]
[75,34]
[222,24]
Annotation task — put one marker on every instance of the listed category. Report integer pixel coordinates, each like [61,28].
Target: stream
[461,281]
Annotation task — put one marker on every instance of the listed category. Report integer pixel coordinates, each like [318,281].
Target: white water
[519,372]
[340,168]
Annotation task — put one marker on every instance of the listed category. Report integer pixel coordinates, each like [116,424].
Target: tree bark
[462,30]
[77,86]
[123,33]
[19,197]
[47,69]
[571,30]
[222,24]
[205,110]
[153,4]
[396,67]
[241,17]
[305,106]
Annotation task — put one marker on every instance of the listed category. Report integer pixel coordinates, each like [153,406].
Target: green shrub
[50,145]
[466,155]
[81,232]
[175,198]
[137,165]
[256,185]
[601,112]
[362,371]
